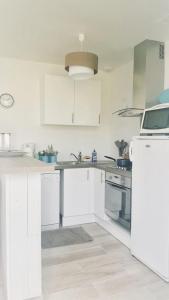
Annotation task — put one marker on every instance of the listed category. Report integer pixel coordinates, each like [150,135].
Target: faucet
[78,158]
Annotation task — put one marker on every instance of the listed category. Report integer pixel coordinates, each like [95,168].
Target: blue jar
[45,158]
[51,158]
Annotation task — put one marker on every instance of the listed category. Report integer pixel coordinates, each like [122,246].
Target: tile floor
[102,269]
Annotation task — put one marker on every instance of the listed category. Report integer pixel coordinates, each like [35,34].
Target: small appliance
[155,120]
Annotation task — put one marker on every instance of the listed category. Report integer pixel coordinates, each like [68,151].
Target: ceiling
[45,30]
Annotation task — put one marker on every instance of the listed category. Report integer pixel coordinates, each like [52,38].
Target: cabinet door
[150,205]
[21,249]
[77,192]
[87,102]
[99,193]
[58,105]
[34,235]
[50,199]
[16,256]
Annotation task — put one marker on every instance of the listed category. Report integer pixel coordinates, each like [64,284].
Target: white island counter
[23,165]
[20,226]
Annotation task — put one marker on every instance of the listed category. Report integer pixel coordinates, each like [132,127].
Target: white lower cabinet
[83,195]
[99,193]
[78,193]
[20,223]
[50,211]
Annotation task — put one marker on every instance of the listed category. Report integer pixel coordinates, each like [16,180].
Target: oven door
[118,204]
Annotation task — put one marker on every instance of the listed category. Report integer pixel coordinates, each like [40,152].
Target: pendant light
[81,65]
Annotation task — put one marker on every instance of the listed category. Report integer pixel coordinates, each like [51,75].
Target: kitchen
[92,270]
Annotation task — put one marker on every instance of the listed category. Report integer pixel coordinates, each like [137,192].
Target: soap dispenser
[94,156]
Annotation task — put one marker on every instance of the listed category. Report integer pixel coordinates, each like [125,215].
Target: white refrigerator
[150,202]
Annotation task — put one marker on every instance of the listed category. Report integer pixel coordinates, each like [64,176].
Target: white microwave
[155,120]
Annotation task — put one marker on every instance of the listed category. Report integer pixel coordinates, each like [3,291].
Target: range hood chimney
[148,77]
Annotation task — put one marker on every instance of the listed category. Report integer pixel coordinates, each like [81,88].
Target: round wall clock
[6,100]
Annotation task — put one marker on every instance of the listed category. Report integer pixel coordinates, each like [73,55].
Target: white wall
[22,80]
[120,86]
[166,76]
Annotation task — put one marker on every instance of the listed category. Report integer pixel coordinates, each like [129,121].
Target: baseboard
[77,220]
[116,230]
[49,227]
[150,267]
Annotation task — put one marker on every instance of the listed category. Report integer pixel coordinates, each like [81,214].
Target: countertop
[10,165]
[105,165]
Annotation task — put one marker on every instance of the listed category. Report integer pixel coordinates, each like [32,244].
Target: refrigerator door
[150,203]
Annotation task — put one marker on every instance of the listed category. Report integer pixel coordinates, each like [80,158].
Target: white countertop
[23,165]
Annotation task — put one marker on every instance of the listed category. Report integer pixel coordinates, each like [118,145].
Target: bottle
[94,156]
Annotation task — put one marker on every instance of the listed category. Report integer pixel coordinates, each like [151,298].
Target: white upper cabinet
[69,102]
[58,105]
[87,102]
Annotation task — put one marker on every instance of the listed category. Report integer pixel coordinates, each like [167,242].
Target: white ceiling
[45,30]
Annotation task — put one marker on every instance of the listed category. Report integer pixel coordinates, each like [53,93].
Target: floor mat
[64,237]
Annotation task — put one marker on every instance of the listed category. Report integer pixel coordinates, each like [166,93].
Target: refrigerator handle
[130,151]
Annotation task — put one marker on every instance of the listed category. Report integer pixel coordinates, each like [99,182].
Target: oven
[118,199]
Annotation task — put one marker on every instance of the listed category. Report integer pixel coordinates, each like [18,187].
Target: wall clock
[6,100]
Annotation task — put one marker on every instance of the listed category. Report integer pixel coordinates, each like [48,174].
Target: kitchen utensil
[109,157]
[121,145]
[121,162]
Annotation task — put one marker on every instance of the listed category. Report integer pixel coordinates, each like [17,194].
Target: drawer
[113,177]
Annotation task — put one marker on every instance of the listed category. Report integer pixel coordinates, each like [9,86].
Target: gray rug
[64,237]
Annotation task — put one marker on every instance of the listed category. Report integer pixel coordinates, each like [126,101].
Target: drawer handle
[87,175]
[101,177]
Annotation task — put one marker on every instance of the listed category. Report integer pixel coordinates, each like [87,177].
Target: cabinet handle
[102,177]
[87,175]
[99,118]
[72,117]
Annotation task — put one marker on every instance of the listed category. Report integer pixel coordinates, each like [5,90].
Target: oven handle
[117,186]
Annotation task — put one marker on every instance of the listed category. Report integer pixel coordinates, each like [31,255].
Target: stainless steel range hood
[148,77]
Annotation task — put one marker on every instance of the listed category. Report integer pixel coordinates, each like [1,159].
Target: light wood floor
[102,270]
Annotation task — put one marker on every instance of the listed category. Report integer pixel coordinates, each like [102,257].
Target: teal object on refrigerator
[164,96]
